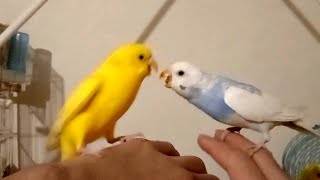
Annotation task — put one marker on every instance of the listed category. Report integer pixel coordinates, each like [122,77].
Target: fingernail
[204,137]
[204,141]
[217,132]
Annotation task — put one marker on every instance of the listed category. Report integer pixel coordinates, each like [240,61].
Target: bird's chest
[212,102]
[112,102]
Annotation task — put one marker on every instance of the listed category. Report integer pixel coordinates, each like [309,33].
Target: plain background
[258,42]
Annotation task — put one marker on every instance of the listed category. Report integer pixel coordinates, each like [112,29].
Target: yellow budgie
[100,100]
[311,172]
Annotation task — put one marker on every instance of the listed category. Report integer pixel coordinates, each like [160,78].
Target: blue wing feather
[212,101]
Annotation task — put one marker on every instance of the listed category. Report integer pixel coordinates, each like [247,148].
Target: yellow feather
[311,172]
[75,104]
[100,100]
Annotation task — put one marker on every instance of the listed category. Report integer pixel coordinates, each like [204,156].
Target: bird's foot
[131,136]
[255,149]
[229,130]
[86,152]
[234,129]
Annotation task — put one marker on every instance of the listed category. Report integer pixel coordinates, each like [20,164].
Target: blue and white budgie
[234,103]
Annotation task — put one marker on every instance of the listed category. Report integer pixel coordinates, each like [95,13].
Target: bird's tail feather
[307,126]
[299,120]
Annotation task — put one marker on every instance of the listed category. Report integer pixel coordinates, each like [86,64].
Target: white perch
[21,20]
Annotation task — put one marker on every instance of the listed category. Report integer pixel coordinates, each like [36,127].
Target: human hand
[232,156]
[135,159]
[138,159]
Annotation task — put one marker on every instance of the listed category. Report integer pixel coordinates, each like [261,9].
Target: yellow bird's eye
[141,57]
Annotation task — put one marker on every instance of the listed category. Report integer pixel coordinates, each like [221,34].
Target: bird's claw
[255,149]
[229,130]
[224,135]
[234,129]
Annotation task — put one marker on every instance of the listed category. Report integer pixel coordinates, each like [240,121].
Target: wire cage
[33,123]
[31,93]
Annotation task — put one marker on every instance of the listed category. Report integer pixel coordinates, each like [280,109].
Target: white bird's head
[182,77]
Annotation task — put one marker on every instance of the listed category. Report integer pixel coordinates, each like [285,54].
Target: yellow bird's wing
[79,99]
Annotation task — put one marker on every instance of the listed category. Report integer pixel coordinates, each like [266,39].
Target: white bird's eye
[180,73]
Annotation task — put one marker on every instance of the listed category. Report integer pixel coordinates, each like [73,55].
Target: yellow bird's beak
[168,75]
[152,65]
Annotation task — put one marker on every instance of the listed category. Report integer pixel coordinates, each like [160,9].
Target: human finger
[263,158]
[191,163]
[238,164]
[204,177]
[165,148]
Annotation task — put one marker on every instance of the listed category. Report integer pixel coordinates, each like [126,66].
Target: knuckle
[143,143]
[138,143]
[184,175]
[197,159]
[139,140]
[168,144]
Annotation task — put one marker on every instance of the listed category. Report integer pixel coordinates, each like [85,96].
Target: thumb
[217,149]
[235,162]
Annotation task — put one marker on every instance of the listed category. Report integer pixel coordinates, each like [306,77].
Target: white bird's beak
[168,75]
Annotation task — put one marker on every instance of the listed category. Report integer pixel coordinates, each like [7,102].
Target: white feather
[260,107]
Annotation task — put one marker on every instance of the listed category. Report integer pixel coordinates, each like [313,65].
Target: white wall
[259,42]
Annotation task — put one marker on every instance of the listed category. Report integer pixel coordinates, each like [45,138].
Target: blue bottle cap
[18,52]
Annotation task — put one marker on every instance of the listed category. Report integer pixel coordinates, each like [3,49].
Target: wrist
[45,171]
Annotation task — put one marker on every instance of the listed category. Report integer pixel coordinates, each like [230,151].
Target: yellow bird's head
[135,57]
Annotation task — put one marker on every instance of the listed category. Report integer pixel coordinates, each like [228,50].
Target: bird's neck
[205,81]
[204,84]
